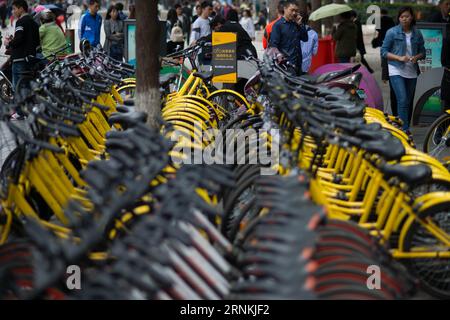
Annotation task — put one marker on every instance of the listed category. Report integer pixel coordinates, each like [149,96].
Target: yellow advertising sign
[224,58]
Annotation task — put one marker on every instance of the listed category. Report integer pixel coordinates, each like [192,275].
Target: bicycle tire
[443,120]
[127,91]
[353,292]
[388,279]
[6,93]
[237,99]
[425,275]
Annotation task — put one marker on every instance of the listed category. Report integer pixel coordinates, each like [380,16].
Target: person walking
[403,46]
[172,20]
[183,20]
[269,27]
[360,40]
[51,36]
[175,36]
[264,10]
[225,9]
[132,10]
[310,47]
[3,12]
[345,36]
[176,40]
[10,13]
[247,23]
[201,28]
[286,35]
[386,22]
[198,13]
[187,10]
[24,44]
[262,21]
[91,24]
[244,43]
[441,15]
[114,42]
[120,7]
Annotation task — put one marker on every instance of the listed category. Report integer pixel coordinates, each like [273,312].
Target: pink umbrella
[39,8]
[374,96]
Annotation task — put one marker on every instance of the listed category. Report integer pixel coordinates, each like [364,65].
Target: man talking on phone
[286,35]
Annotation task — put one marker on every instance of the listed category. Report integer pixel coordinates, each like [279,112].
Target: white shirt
[408,70]
[309,49]
[247,24]
[200,28]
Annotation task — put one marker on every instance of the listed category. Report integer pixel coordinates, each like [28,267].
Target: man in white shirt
[310,47]
[200,27]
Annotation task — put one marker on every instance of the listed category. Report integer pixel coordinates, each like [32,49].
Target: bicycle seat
[373,135]
[332,94]
[412,175]
[125,109]
[98,86]
[309,78]
[328,76]
[354,112]
[166,79]
[131,139]
[95,178]
[390,149]
[205,76]
[128,119]
[373,126]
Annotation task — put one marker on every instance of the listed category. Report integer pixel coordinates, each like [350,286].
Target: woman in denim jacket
[403,46]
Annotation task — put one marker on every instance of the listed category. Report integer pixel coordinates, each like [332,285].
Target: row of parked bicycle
[91,185]
[365,169]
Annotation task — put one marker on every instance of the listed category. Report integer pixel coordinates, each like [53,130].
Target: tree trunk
[147,59]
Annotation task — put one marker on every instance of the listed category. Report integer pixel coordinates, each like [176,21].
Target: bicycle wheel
[351,292]
[429,187]
[433,273]
[127,92]
[435,140]
[229,100]
[8,166]
[6,94]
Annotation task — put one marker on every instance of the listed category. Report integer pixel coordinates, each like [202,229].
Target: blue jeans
[404,89]
[17,69]
[116,52]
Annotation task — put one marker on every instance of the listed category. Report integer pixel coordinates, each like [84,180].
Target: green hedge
[422,10]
